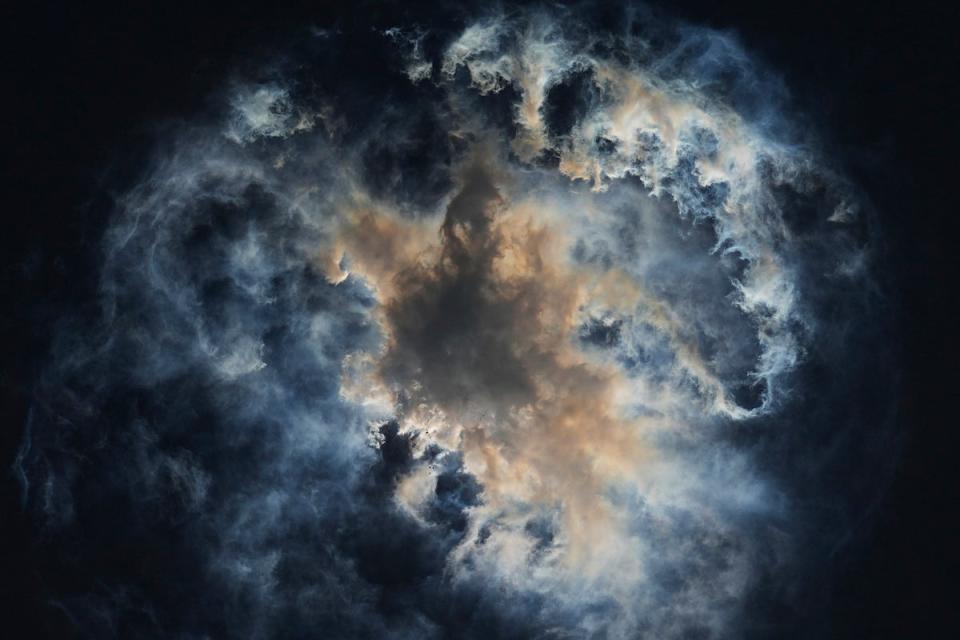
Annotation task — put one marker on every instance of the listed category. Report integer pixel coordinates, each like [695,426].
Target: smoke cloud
[527,327]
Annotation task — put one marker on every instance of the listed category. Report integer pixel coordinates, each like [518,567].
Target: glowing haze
[465,357]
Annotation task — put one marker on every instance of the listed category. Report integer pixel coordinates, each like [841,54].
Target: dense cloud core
[528,327]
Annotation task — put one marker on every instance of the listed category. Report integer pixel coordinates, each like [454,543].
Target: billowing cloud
[518,338]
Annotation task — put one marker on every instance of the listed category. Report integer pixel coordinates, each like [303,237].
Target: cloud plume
[515,329]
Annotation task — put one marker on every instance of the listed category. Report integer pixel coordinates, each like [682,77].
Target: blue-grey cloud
[521,335]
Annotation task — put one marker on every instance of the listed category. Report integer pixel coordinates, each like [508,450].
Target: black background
[83,83]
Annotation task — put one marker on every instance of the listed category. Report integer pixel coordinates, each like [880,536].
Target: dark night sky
[84,85]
